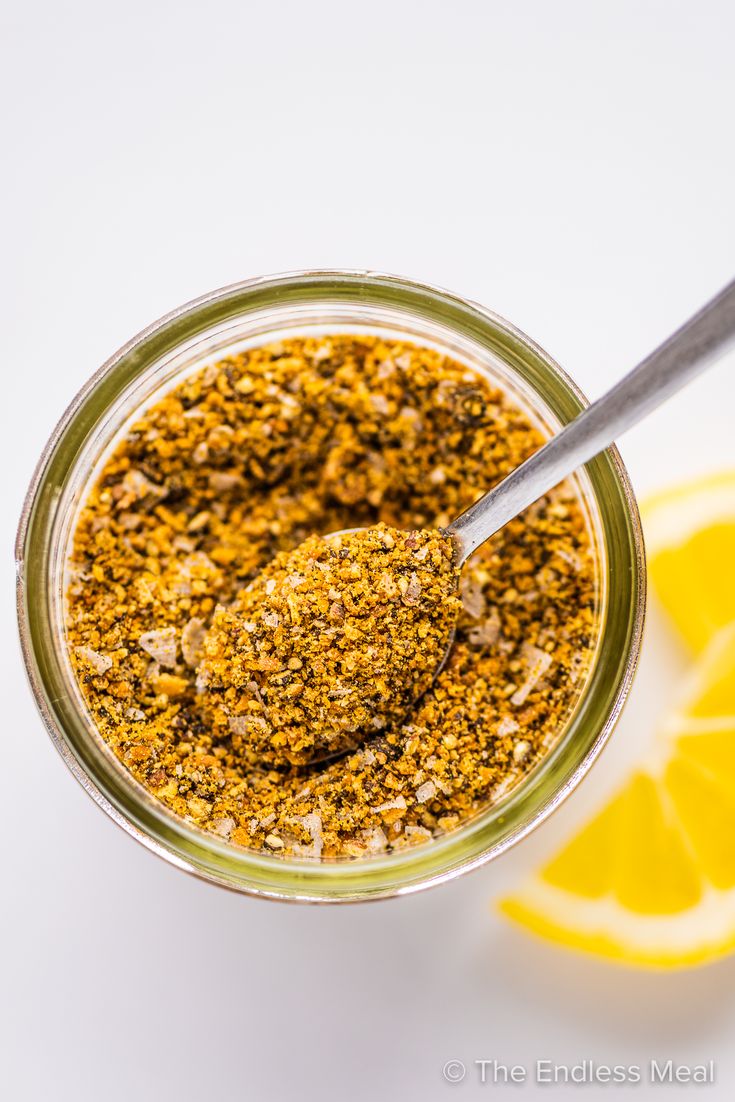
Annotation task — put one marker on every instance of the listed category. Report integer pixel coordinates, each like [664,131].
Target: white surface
[568,164]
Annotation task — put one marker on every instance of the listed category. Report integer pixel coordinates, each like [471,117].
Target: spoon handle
[687,352]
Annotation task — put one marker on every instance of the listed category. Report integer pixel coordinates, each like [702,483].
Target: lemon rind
[674,516]
[602,927]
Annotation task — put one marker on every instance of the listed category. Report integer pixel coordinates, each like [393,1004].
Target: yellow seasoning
[224,487]
[332,642]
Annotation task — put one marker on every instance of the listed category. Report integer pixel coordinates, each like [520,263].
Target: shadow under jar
[281,309]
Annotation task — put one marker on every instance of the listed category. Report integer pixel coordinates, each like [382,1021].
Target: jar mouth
[252,312]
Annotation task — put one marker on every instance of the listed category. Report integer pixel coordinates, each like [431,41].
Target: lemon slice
[651,880]
[690,543]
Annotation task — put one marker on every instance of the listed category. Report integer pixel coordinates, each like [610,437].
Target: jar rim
[246,870]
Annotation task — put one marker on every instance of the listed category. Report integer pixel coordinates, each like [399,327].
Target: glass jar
[251,313]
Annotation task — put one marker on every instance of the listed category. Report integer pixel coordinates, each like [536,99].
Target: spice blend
[331,643]
[241,463]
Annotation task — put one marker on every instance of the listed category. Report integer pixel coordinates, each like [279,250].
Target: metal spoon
[699,342]
[687,352]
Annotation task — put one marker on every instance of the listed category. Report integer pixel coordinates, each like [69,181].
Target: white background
[569,164]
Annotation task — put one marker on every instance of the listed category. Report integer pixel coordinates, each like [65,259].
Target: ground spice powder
[331,643]
[244,461]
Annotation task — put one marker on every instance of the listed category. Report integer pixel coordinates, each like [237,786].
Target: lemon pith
[690,542]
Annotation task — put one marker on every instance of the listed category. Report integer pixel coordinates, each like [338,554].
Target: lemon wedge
[690,544]
[651,880]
